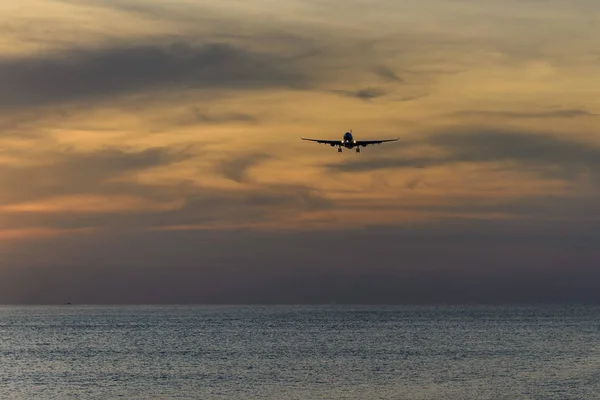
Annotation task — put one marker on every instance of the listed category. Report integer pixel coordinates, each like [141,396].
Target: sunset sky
[150,151]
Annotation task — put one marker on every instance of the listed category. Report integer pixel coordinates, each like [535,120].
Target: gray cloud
[534,209]
[362,94]
[402,99]
[415,183]
[237,168]
[387,74]
[89,74]
[488,145]
[538,148]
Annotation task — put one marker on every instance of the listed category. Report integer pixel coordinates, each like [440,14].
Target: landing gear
[339,149]
[358,149]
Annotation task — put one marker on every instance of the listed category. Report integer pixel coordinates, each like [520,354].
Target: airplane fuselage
[348,141]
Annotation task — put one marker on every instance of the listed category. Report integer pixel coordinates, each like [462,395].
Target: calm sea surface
[328,352]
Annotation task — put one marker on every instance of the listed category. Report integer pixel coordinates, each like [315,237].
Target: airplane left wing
[368,142]
[329,142]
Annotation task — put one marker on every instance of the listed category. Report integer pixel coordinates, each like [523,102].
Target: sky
[151,152]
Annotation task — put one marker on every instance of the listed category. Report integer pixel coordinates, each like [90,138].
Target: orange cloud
[35,233]
[92,204]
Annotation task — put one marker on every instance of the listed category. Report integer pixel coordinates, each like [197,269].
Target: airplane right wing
[368,142]
[329,142]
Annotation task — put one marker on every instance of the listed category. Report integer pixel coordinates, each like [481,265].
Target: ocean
[299,352]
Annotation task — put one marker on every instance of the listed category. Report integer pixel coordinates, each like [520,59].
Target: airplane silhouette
[349,142]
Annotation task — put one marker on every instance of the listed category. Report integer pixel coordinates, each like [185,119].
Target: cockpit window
[347,136]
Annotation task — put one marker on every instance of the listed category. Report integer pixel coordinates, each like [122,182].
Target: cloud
[533,208]
[193,49]
[178,11]
[487,146]
[75,173]
[387,74]
[530,148]
[237,168]
[74,75]
[29,233]
[197,116]
[362,94]
[569,113]
[97,190]
[259,203]
[89,203]
[176,208]
[415,183]
[194,116]
[384,163]
[94,190]
[403,99]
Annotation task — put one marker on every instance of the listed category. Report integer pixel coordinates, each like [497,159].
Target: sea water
[299,352]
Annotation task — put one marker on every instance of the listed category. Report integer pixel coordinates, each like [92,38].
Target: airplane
[349,142]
